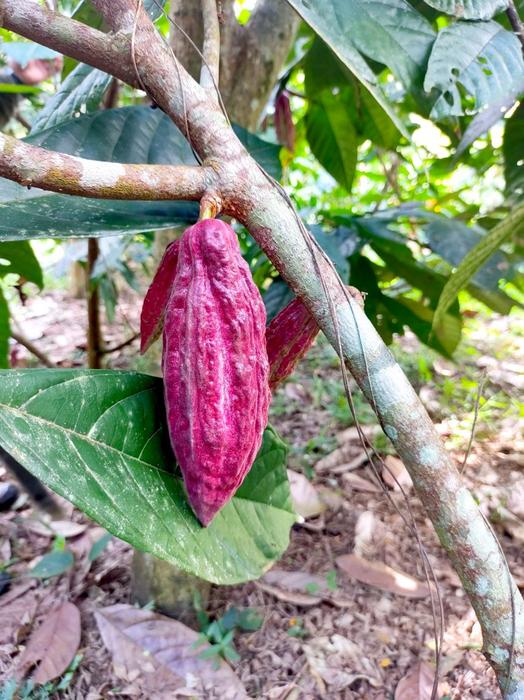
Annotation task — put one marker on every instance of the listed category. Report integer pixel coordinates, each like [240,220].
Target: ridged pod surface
[288,337]
[215,366]
[155,301]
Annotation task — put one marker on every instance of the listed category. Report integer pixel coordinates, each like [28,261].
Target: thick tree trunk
[251,56]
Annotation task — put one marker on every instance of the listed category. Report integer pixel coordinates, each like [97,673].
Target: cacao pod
[155,301]
[288,337]
[215,366]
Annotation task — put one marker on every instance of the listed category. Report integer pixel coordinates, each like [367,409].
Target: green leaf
[475,258]
[444,338]
[109,456]
[453,240]
[80,92]
[470,9]
[18,258]
[53,564]
[5,331]
[126,135]
[489,116]
[99,546]
[266,154]
[482,58]
[332,138]
[24,89]
[513,149]
[324,71]
[387,31]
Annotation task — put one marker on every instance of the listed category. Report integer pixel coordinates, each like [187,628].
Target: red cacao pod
[155,301]
[215,366]
[288,337]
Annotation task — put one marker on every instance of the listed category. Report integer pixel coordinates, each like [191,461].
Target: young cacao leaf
[288,337]
[155,301]
[284,125]
[215,366]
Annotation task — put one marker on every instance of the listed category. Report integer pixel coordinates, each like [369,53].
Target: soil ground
[363,646]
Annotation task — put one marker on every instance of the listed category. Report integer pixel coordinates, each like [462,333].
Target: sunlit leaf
[99,439]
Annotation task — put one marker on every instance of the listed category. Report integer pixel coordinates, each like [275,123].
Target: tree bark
[251,56]
[248,194]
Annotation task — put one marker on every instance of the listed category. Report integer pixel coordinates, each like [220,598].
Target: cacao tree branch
[66,35]
[516,23]
[34,166]
[210,46]
[250,196]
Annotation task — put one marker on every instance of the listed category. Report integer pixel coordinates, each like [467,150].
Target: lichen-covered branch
[33,166]
[210,46]
[246,193]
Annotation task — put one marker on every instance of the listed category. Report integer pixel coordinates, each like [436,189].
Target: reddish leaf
[52,646]
[284,125]
[379,575]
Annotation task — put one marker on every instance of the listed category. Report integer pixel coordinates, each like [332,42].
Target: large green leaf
[5,331]
[18,258]
[98,438]
[514,154]
[453,240]
[475,259]
[388,31]
[470,9]
[324,71]
[332,137]
[482,58]
[444,338]
[80,92]
[126,135]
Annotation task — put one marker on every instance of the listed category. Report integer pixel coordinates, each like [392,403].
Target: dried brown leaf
[304,495]
[302,588]
[395,474]
[17,610]
[62,528]
[359,483]
[159,654]
[339,662]
[516,499]
[379,575]
[53,645]
[352,434]
[364,530]
[417,684]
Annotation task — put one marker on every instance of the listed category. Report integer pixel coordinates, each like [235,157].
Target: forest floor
[322,632]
